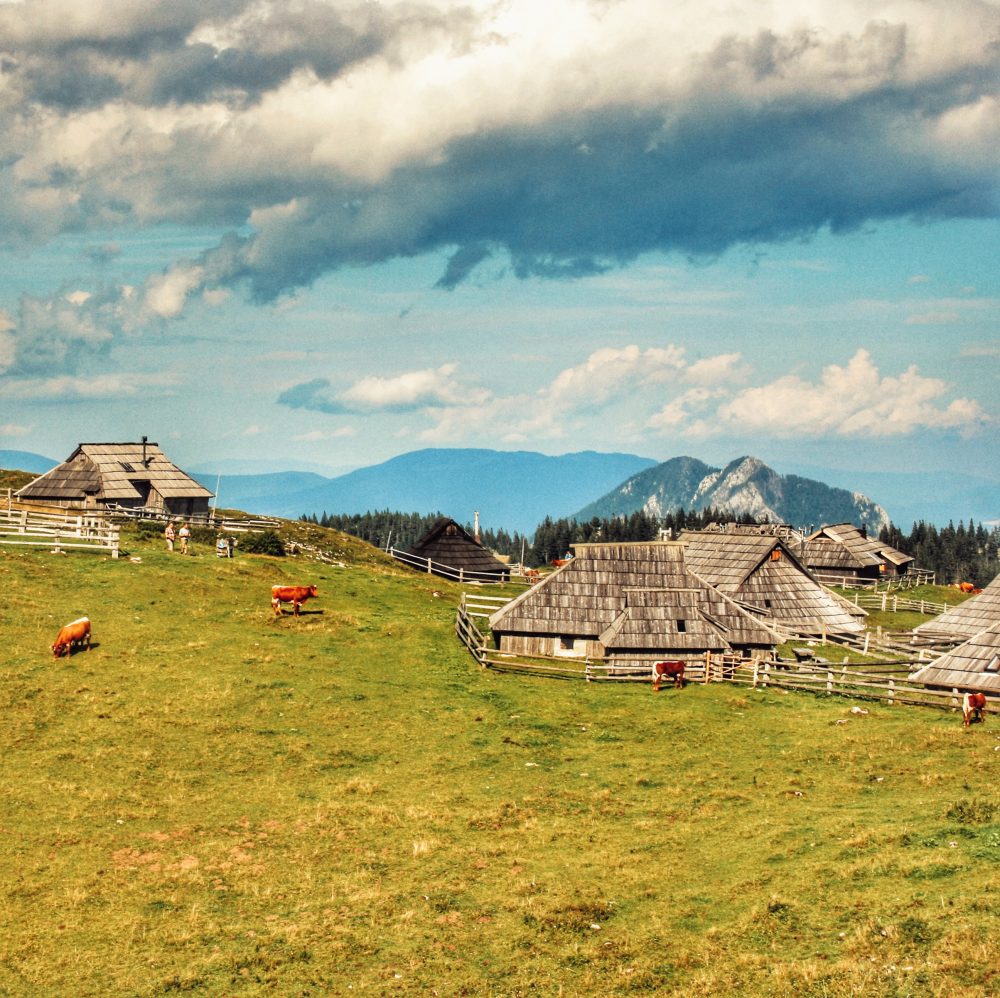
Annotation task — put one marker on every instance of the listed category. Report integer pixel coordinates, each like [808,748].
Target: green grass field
[216,802]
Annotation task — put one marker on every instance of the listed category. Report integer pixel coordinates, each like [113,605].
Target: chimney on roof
[145,460]
[476,528]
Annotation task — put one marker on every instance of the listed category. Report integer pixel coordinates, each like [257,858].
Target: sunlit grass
[216,801]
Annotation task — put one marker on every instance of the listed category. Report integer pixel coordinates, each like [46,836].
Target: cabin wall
[549,645]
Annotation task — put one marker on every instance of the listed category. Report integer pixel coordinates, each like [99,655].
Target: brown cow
[296,595]
[973,705]
[77,633]
[672,670]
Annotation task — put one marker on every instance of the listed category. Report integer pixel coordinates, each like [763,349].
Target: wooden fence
[59,531]
[893,602]
[885,682]
[511,573]
[913,578]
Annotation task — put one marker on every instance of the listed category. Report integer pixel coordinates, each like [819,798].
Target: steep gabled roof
[449,544]
[761,571]
[111,471]
[632,592]
[974,665]
[843,545]
[978,613]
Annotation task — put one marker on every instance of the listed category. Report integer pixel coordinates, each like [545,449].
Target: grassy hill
[215,801]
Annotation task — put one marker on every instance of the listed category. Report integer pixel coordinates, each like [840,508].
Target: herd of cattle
[76,635]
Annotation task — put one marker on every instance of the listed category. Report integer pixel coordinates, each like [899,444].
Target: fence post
[885,596]
[868,637]
[429,566]
[892,691]
[829,682]
[954,697]
[767,674]
[708,667]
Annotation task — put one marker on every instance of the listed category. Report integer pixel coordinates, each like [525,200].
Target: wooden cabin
[978,613]
[845,552]
[631,603]
[762,574]
[973,666]
[452,552]
[130,475]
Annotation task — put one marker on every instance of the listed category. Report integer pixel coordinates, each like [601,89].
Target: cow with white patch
[73,635]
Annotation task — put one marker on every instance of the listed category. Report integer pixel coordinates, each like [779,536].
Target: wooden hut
[631,603]
[130,475]
[973,665]
[450,551]
[978,613]
[844,551]
[761,572]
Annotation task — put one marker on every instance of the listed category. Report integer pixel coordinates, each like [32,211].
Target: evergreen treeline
[381,528]
[954,554]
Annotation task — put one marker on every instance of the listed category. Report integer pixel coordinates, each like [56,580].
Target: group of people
[183,535]
[223,546]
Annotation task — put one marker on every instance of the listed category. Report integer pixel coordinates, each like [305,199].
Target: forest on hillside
[955,554]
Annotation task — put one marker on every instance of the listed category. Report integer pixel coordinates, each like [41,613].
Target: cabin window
[566,643]
[767,604]
[776,554]
[682,626]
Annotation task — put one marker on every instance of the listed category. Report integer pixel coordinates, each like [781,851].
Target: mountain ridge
[744,486]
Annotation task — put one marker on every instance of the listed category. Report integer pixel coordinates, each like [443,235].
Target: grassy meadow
[214,801]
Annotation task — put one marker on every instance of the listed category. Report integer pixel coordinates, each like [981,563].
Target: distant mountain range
[516,490]
[744,486]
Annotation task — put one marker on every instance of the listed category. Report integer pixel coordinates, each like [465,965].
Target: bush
[266,542]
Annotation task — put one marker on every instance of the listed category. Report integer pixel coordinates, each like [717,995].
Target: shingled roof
[449,545]
[630,595]
[845,546]
[111,472]
[762,572]
[976,614]
[974,665]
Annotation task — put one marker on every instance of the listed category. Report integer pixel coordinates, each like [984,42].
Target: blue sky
[320,234]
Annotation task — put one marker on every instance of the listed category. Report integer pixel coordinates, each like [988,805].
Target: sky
[317,234]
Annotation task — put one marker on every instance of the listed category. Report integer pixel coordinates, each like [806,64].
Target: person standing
[168,535]
[185,535]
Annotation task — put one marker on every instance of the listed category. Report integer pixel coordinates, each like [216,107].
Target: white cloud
[851,401]
[933,318]
[67,388]
[412,390]
[14,430]
[316,436]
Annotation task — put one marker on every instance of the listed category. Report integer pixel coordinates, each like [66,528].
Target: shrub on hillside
[266,542]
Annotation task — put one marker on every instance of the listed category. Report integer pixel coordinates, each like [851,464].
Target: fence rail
[510,573]
[886,682]
[913,578]
[893,602]
[84,531]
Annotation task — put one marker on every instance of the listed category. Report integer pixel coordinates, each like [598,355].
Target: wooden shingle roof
[110,472]
[449,544]
[978,613]
[974,665]
[761,571]
[631,592]
[845,546]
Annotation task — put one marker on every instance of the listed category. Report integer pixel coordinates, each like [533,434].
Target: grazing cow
[973,705]
[75,634]
[296,595]
[672,670]
[965,587]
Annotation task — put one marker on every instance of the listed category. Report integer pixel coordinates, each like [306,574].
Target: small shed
[631,603]
[978,613]
[131,475]
[761,572]
[844,551]
[973,665]
[450,551]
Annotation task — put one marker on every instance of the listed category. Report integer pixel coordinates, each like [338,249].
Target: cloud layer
[568,136]
[705,398]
